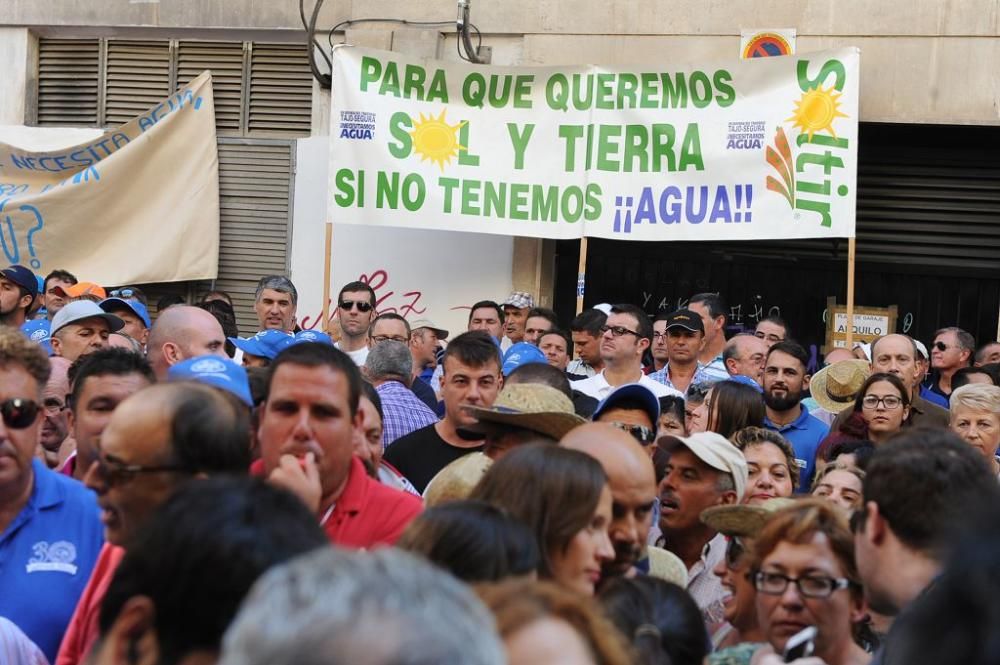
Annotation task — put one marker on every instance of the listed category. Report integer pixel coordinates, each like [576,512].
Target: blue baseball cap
[214,371]
[22,277]
[112,305]
[317,336]
[266,343]
[631,392]
[519,354]
[38,331]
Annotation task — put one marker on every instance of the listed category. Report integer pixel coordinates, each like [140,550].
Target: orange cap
[83,289]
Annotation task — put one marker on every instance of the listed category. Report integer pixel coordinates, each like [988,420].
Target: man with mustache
[785,383]
[703,470]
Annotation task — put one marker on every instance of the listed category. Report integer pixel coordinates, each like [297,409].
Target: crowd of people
[619,489]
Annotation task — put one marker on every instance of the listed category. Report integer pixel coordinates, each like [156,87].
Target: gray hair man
[335,606]
[388,367]
[275,303]
[952,350]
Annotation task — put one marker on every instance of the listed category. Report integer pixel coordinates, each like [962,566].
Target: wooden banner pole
[850,294]
[328,244]
[581,275]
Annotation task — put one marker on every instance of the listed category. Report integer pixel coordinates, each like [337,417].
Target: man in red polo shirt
[306,441]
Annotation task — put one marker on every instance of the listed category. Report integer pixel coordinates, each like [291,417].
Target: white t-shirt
[599,388]
[359,357]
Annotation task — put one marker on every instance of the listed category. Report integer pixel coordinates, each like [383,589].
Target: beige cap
[533,406]
[717,452]
[456,481]
[835,386]
[667,566]
[427,323]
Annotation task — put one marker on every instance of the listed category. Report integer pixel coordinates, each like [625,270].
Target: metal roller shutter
[256,183]
[226,60]
[280,90]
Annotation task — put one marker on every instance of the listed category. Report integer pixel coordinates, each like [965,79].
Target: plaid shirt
[402,412]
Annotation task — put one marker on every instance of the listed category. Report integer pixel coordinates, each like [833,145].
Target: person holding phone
[805,575]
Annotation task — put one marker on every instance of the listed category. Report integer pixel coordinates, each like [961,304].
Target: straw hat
[835,386]
[532,406]
[743,520]
[455,481]
[666,566]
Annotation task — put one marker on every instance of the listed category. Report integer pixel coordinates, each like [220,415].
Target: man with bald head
[633,490]
[183,332]
[897,354]
[156,440]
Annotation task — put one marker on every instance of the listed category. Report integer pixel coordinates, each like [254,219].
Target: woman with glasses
[773,472]
[805,575]
[564,498]
[741,635]
[975,416]
[884,404]
[731,406]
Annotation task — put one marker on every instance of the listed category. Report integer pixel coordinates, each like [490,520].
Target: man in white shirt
[625,337]
[355,311]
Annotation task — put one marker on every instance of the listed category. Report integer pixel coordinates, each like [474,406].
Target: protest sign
[139,203]
[754,149]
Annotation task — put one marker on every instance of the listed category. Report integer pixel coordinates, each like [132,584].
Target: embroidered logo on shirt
[52,557]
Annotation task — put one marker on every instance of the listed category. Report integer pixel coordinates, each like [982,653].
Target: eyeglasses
[361,305]
[771,337]
[116,472]
[659,335]
[941,346]
[122,293]
[378,339]
[19,413]
[889,401]
[618,331]
[810,586]
[53,405]
[643,435]
[735,549]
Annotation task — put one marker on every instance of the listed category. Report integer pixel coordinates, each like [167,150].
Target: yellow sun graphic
[436,140]
[816,111]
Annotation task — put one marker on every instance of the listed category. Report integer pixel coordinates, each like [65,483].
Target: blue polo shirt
[933,397]
[805,434]
[46,556]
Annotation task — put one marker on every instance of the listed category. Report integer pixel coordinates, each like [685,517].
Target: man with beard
[633,491]
[785,383]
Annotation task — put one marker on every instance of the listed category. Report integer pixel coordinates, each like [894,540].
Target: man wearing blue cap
[133,313]
[18,289]
[214,371]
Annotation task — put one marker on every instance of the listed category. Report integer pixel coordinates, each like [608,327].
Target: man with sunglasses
[920,489]
[50,533]
[355,312]
[625,337]
[952,350]
[156,440]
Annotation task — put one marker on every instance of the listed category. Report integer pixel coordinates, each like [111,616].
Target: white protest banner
[741,150]
[140,203]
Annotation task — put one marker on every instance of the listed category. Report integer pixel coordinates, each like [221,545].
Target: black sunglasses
[643,435]
[362,306]
[19,413]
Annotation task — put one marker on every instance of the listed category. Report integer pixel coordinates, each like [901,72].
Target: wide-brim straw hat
[742,520]
[835,386]
[530,406]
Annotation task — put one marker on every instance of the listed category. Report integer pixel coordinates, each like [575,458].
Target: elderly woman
[975,416]
[770,462]
[805,575]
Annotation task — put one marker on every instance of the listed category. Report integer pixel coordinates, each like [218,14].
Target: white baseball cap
[717,452]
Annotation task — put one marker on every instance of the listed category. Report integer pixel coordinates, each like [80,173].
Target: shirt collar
[799,423]
[47,491]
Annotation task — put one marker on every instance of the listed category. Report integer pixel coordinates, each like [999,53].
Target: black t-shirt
[421,454]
